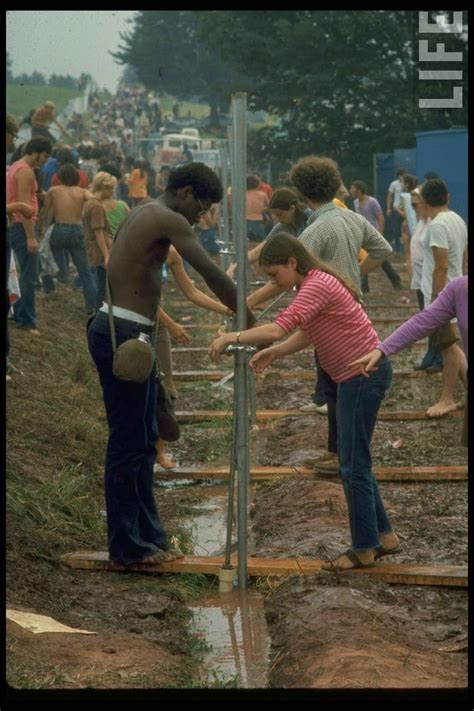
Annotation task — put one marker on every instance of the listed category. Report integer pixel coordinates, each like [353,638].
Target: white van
[190,132]
[172,147]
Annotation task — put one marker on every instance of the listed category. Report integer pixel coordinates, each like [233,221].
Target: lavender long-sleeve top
[450,303]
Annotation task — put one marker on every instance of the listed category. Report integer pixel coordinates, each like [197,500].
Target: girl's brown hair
[282,246]
[284,199]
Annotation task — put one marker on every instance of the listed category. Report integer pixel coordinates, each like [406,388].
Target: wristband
[237,338]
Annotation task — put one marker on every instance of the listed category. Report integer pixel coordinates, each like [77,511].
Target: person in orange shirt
[137,184]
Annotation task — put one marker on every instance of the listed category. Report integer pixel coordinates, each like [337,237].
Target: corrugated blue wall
[446,153]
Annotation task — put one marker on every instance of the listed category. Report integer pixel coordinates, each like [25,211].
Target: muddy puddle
[231,625]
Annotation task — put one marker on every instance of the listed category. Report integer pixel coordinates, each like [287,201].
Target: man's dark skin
[141,246]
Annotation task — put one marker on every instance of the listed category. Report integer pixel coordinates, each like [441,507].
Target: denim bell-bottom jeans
[70,239]
[133,523]
[358,402]
[24,309]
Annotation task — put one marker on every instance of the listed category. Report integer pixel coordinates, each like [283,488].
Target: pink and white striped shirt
[338,326]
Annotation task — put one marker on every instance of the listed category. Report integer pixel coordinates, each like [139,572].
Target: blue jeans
[100,280]
[255,231]
[133,523]
[70,238]
[358,402]
[395,229]
[207,239]
[24,309]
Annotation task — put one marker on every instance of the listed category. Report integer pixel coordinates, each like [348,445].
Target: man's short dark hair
[431,175]
[435,192]
[360,185]
[316,178]
[253,182]
[400,171]
[204,182]
[38,144]
[410,182]
[65,156]
[68,175]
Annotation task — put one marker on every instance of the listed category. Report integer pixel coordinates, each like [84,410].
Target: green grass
[198,111]
[21,99]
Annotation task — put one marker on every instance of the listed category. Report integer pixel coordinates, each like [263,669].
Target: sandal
[353,557]
[380,551]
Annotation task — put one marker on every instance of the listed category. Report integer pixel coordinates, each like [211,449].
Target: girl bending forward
[326,313]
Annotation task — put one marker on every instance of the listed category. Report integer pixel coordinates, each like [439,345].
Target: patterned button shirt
[335,236]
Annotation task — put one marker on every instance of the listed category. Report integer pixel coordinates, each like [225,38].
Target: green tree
[343,83]
[167,55]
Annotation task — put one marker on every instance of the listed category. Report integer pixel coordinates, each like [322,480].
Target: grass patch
[22,98]
[55,515]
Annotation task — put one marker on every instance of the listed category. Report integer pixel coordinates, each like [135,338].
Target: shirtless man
[63,206]
[41,120]
[141,245]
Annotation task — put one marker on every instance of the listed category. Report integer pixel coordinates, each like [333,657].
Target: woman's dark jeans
[358,402]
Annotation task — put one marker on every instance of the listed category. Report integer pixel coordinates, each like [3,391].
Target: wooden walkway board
[216,375]
[449,473]
[453,576]
[203,415]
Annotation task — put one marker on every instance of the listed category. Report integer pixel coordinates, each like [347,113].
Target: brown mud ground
[326,631]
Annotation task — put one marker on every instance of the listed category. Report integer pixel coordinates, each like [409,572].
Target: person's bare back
[141,246]
[66,203]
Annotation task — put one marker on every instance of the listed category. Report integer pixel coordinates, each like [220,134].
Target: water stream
[231,624]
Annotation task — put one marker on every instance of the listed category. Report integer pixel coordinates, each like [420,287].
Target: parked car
[172,147]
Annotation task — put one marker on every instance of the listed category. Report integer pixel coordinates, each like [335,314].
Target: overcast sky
[67,42]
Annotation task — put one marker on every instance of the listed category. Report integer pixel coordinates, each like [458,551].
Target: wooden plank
[203,415]
[310,375]
[448,473]
[452,576]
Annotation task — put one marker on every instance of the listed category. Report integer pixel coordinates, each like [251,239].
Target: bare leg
[454,362]
[162,457]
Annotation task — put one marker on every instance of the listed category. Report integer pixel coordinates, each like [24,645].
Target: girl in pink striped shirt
[327,314]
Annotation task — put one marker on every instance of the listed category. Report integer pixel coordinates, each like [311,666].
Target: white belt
[126,314]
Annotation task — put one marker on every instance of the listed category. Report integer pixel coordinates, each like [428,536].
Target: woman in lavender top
[450,303]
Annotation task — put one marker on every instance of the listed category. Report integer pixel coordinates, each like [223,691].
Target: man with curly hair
[141,245]
[335,236]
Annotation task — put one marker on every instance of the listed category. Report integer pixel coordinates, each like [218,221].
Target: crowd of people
[120,225]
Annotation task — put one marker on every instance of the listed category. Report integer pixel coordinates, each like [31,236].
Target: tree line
[343,83]
[59,81]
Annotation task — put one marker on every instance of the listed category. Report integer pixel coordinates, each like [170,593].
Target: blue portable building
[445,152]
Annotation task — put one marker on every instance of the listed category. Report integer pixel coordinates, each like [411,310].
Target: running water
[232,624]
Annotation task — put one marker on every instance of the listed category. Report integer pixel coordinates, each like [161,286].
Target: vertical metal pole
[224,159]
[374,174]
[239,130]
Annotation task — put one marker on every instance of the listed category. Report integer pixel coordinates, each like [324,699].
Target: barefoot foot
[162,457]
[441,408]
